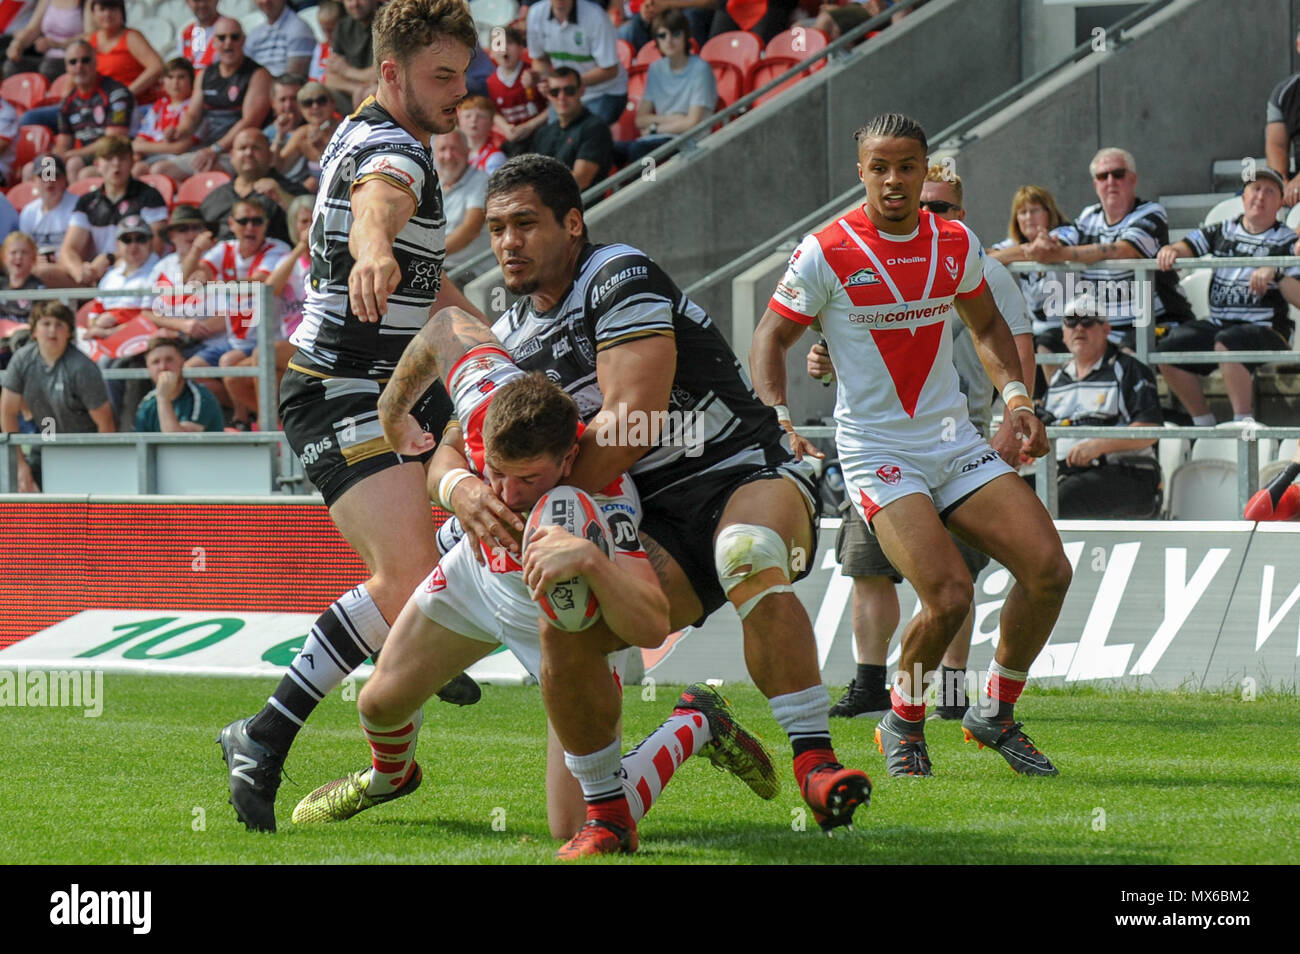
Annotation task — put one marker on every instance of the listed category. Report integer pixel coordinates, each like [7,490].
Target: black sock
[870,678]
[952,686]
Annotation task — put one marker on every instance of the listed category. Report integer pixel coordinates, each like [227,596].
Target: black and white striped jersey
[715,422]
[1146,228]
[369,144]
[1230,295]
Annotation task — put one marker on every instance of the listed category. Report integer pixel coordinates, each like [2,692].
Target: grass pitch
[1146,778]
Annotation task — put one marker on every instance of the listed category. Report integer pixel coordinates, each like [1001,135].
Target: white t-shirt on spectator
[47,227]
[273,44]
[469,192]
[588,43]
[142,278]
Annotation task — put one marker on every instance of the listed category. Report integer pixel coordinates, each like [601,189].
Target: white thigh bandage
[744,550]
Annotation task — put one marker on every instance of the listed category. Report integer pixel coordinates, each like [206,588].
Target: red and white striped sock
[1003,691]
[908,708]
[392,752]
[648,767]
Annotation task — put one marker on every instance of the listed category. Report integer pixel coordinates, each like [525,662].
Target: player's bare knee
[752,562]
[949,602]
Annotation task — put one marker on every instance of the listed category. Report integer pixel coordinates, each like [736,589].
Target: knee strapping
[742,552]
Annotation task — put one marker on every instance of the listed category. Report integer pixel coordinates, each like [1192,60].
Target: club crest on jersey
[586,347]
[890,474]
[233,92]
[436,581]
[98,113]
[863,276]
[950,263]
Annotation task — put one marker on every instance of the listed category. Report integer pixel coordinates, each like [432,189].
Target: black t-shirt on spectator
[18,309]
[85,118]
[215,209]
[1284,106]
[352,41]
[99,214]
[587,137]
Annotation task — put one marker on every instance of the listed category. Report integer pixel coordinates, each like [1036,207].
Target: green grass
[1181,778]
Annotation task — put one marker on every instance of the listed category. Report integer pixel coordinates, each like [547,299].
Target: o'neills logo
[609,284]
[896,317]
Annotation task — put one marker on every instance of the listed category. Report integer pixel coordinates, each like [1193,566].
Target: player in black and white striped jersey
[377,253]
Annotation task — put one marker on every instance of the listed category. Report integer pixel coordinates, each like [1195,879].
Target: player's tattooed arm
[450,334]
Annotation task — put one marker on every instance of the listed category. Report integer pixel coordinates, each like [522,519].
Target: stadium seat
[22,194]
[85,311]
[1215,448]
[1286,449]
[636,81]
[1196,286]
[1271,470]
[24,90]
[166,188]
[82,186]
[1227,209]
[648,54]
[795,44]
[160,34]
[739,50]
[1173,452]
[1293,219]
[32,141]
[196,188]
[626,52]
[763,72]
[1204,490]
[625,129]
[57,91]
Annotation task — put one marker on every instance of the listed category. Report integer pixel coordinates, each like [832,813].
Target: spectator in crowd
[284,43]
[1282,133]
[1248,306]
[301,154]
[18,254]
[46,218]
[1120,225]
[287,115]
[8,217]
[250,256]
[1034,212]
[288,282]
[41,45]
[464,194]
[96,106]
[59,385]
[764,19]
[577,137]
[195,42]
[477,120]
[177,309]
[124,54]
[233,94]
[175,405]
[256,179]
[1103,477]
[88,245]
[351,68]
[637,27]
[133,267]
[9,131]
[579,34]
[680,90]
[327,15]
[156,142]
[515,91]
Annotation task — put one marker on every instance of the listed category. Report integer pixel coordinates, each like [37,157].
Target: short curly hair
[404,27]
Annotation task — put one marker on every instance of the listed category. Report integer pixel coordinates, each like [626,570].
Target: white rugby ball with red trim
[570,604]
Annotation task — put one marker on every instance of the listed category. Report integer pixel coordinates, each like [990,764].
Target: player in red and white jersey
[883,281]
[519,433]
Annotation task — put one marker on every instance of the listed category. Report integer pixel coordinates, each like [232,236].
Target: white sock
[804,714]
[1200,420]
[598,773]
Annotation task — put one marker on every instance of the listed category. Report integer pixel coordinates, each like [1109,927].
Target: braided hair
[892,126]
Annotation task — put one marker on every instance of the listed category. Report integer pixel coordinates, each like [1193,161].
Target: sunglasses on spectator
[133,239]
[938,205]
[318,101]
[664,35]
[251,220]
[1116,174]
[1076,322]
[232,37]
[78,60]
[570,89]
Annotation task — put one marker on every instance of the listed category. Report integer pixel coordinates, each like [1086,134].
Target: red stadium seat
[166,188]
[24,90]
[82,186]
[732,55]
[57,91]
[796,44]
[648,54]
[23,194]
[85,311]
[625,129]
[32,141]
[636,81]
[730,80]
[626,53]
[196,188]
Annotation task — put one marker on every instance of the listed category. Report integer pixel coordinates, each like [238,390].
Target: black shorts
[1203,335]
[333,426]
[859,554]
[685,523]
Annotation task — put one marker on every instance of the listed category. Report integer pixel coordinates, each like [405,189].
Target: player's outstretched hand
[374,277]
[406,436]
[486,520]
[554,554]
[1033,435]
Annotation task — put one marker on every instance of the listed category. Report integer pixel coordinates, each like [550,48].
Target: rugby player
[728,510]
[520,434]
[884,280]
[377,252]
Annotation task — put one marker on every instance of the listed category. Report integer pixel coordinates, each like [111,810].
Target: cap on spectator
[110,147]
[185,215]
[120,4]
[50,161]
[1272,175]
[133,225]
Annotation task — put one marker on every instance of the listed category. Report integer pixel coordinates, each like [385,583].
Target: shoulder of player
[611,273]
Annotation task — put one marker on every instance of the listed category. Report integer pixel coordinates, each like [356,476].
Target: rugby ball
[569,604]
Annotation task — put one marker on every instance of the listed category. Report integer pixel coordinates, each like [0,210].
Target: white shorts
[945,471]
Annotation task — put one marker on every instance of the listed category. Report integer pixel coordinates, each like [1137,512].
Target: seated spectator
[46,218]
[637,23]
[577,137]
[351,69]
[1120,225]
[477,116]
[18,254]
[287,115]
[124,54]
[177,308]
[284,43]
[680,90]
[1248,306]
[1103,477]
[96,106]
[308,141]
[579,34]
[41,45]
[8,142]
[327,15]
[256,179]
[231,95]
[88,245]
[464,194]
[520,102]
[175,405]
[1282,134]
[158,138]
[835,21]
[195,42]
[247,257]
[1034,212]
[59,385]
[133,267]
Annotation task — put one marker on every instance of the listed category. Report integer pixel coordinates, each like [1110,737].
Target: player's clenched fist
[373,279]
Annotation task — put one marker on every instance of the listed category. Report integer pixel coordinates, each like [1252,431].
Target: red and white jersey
[320,62]
[163,114]
[515,101]
[884,302]
[197,45]
[230,266]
